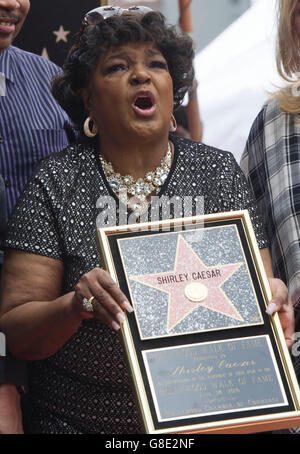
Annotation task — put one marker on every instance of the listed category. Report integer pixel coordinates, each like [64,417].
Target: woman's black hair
[177,48]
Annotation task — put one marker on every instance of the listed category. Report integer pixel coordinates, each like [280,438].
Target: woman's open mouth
[144,104]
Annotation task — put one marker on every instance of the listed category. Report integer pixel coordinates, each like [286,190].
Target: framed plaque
[204,355]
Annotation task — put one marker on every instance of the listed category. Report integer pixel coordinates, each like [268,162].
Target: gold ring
[91,299]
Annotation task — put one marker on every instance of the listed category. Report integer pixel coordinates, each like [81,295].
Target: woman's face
[130,95]
[297,20]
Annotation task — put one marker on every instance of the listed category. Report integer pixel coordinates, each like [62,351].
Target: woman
[121,80]
[272,156]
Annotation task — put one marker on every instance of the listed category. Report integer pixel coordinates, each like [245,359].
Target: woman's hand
[281,303]
[109,302]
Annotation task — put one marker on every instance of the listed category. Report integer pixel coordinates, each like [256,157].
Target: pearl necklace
[141,188]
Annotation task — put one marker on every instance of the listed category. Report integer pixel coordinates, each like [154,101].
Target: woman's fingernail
[121,317]
[115,326]
[128,306]
[271,309]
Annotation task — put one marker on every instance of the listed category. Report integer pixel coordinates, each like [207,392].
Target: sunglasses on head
[97,15]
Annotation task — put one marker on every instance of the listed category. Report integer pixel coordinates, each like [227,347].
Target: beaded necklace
[141,188]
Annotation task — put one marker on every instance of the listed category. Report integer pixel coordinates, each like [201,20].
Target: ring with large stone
[87,304]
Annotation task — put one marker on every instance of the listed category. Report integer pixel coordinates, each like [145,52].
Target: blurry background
[235,54]
[210,17]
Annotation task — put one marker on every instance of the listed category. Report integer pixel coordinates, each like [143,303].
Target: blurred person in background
[188,121]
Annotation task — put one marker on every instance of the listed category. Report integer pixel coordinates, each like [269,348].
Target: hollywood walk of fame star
[188,267]
[61,34]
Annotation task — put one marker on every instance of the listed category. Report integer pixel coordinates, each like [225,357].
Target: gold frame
[135,278]
[251,424]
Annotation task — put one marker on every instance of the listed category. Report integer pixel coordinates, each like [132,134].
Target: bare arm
[38,321]
[281,301]
[193,114]
[10,410]
[266,258]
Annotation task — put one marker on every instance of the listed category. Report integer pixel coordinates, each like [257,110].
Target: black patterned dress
[84,387]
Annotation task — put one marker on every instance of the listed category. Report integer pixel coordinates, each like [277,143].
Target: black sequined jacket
[84,387]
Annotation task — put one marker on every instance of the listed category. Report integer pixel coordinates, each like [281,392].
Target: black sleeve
[32,226]
[13,371]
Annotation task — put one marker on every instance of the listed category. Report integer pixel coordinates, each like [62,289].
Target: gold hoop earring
[173,124]
[86,128]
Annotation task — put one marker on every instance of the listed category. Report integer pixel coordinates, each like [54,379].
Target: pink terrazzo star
[189,268]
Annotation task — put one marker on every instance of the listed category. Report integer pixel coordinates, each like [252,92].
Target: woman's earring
[173,124]
[86,127]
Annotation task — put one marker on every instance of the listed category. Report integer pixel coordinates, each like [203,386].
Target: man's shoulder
[32,59]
